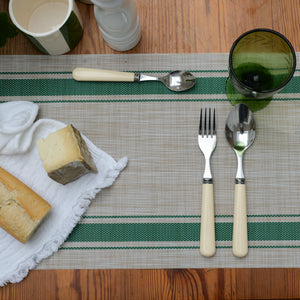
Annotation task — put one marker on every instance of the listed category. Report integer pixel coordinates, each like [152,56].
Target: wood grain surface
[185,26]
[157,284]
[169,26]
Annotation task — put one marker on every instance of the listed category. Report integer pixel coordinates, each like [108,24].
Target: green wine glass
[261,63]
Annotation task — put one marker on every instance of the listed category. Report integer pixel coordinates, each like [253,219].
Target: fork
[207,141]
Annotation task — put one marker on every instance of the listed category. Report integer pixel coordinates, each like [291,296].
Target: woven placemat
[150,218]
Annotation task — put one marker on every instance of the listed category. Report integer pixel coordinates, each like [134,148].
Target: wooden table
[171,27]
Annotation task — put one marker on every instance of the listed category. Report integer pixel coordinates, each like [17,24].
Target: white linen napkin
[19,156]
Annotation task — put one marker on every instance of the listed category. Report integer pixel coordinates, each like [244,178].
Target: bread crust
[65,155]
[21,209]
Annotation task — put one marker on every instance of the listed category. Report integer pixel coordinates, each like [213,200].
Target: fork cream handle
[207,234]
[240,233]
[89,74]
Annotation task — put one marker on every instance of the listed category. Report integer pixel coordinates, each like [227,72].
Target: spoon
[240,133]
[176,81]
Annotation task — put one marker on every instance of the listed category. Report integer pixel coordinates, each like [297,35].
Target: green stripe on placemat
[142,232]
[70,87]
[65,87]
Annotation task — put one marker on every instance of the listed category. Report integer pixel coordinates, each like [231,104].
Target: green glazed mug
[53,26]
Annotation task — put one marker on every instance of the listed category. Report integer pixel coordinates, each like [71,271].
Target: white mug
[53,26]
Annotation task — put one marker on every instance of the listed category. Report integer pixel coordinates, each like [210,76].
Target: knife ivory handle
[240,232]
[89,74]
[207,235]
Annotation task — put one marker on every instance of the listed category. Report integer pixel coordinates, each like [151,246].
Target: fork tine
[214,122]
[205,127]
[200,123]
[209,122]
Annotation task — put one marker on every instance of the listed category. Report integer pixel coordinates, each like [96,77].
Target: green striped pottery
[61,39]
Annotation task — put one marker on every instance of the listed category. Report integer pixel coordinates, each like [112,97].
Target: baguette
[21,209]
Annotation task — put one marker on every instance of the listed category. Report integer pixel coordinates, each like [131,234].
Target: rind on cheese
[21,209]
[65,155]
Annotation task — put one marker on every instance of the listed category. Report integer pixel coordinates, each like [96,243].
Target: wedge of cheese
[65,155]
[21,209]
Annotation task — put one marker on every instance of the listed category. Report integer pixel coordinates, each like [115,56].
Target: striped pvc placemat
[150,217]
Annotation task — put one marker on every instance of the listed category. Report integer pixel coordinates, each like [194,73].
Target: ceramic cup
[53,26]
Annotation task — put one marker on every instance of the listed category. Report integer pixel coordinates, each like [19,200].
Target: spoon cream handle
[207,235]
[240,233]
[89,74]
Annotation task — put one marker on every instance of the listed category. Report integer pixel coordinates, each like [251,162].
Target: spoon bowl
[240,128]
[240,134]
[177,81]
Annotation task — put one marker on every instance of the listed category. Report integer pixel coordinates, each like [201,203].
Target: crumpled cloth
[19,155]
